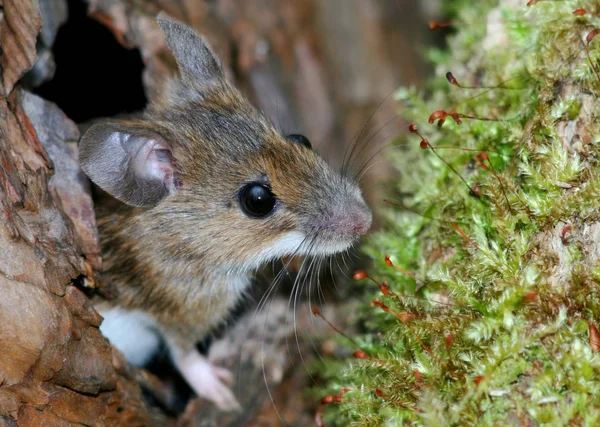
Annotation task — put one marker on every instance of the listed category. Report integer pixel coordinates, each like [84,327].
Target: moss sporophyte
[483,298]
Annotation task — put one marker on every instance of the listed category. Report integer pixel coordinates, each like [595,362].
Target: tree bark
[56,368]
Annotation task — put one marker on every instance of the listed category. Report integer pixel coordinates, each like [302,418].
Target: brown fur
[181,259]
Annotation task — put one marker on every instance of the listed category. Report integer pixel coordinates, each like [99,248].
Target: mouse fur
[176,243]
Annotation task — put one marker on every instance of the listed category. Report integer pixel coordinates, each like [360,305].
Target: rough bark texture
[317,67]
[56,368]
[21,23]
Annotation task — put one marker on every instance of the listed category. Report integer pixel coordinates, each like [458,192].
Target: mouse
[202,190]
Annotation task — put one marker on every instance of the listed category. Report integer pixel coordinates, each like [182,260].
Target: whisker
[296,294]
[259,308]
[356,138]
[358,175]
[310,338]
[337,291]
[364,145]
[320,293]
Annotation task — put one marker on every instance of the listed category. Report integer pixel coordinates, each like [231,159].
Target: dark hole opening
[95,76]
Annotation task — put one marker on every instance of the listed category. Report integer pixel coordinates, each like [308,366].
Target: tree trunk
[55,368]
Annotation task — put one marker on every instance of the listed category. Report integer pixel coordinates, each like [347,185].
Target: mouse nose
[361,227]
[359,219]
[349,219]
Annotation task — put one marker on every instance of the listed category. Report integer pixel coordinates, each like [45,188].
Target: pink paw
[208,381]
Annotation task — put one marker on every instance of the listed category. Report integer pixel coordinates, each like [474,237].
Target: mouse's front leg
[207,380]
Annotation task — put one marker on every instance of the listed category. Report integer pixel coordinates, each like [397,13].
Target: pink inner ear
[155,161]
[160,164]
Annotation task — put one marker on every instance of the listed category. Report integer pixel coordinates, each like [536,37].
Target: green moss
[500,331]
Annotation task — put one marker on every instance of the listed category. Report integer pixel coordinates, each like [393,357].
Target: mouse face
[217,185]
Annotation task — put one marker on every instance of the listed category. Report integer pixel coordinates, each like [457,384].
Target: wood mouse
[208,190]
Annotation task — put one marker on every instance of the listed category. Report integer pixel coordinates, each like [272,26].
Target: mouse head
[217,185]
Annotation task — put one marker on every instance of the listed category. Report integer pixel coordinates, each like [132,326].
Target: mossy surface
[509,253]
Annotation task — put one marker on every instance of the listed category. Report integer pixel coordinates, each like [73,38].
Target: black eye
[300,139]
[257,200]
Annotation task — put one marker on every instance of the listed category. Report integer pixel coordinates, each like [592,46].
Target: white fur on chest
[133,333]
[292,243]
[237,284]
[138,335]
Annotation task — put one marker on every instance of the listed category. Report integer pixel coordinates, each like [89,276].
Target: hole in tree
[95,76]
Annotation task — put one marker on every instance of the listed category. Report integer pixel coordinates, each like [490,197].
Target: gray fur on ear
[194,56]
[132,164]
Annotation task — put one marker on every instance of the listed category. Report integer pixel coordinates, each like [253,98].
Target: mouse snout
[346,220]
[362,224]
[354,219]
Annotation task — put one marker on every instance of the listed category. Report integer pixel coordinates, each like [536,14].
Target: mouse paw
[223,374]
[213,387]
[208,381]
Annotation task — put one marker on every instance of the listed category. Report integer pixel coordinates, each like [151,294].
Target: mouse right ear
[194,57]
[133,164]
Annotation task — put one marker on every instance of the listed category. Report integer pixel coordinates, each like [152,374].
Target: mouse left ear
[131,163]
[194,57]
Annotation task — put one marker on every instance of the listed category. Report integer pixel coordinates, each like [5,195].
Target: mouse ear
[133,164]
[194,57]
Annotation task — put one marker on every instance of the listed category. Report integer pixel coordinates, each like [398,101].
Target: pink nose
[358,220]
[346,220]
[360,229]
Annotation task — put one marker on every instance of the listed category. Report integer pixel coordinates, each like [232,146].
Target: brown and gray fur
[178,247]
